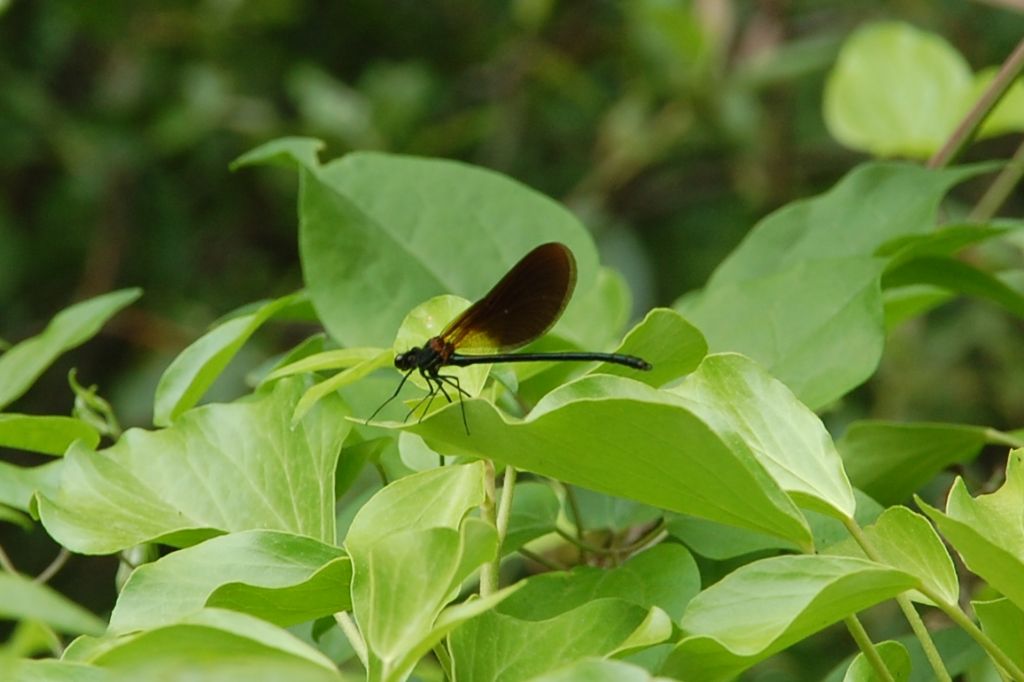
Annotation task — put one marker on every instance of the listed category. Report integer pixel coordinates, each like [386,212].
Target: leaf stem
[970,123]
[542,560]
[957,615]
[489,571]
[351,630]
[909,612]
[999,437]
[55,565]
[508,486]
[864,643]
[997,193]
[6,563]
[577,518]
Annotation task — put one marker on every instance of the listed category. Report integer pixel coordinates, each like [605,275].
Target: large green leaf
[195,369]
[896,90]
[890,461]
[22,364]
[766,606]
[219,468]
[502,648]
[986,530]
[741,401]
[288,579]
[801,294]
[21,598]
[624,438]
[212,644]
[49,435]
[376,235]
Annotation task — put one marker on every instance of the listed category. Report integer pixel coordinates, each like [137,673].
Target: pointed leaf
[955,275]
[19,484]
[304,576]
[23,363]
[195,369]
[599,670]
[986,530]
[624,438]
[889,461]
[665,339]
[21,599]
[766,606]
[741,401]
[1003,621]
[286,151]
[220,468]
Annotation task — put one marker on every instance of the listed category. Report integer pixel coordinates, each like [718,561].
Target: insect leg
[393,396]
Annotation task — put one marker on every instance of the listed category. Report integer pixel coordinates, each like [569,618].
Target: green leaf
[599,313]
[664,576]
[500,647]
[904,303]
[896,91]
[49,670]
[807,276]
[720,542]
[945,241]
[666,340]
[48,435]
[896,659]
[286,151]
[397,603]
[196,368]
[437,498]
[287,578]
[1003,621]
[329,387]
[210,645]
[21,365]
[890,461]
[19,484]
[219,468]
[986,530]
[376,230]
[21,598]
[535,508]
[585,433]
[607,512]
[599,670]
[955,275]
[906,541]
[740,401]
[764,607]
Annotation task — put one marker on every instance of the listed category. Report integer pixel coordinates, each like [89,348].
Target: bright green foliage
[986,530]
[218,644]
[196,367]
[896,658]
[783,599]
[801,294]
[49,435]
[23,363]
[169,485]
[899,91]
[534,513]
[277,576]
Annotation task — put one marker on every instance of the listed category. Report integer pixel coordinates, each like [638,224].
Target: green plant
[285,540]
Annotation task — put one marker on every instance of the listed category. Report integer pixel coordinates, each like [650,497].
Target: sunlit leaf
[21,598]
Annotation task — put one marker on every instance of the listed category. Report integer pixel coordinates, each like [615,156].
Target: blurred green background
[669,126]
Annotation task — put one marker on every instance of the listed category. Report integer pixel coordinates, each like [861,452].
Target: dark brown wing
[523,305]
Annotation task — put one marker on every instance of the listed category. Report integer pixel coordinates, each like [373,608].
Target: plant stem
[860,636]
[957,615]
[577,518]
[909,612]
[995,196]
[489,571]
[6,564]
[55,565]
[508,486]
[967,128]
[348,626]
[543,561]
[998,437]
